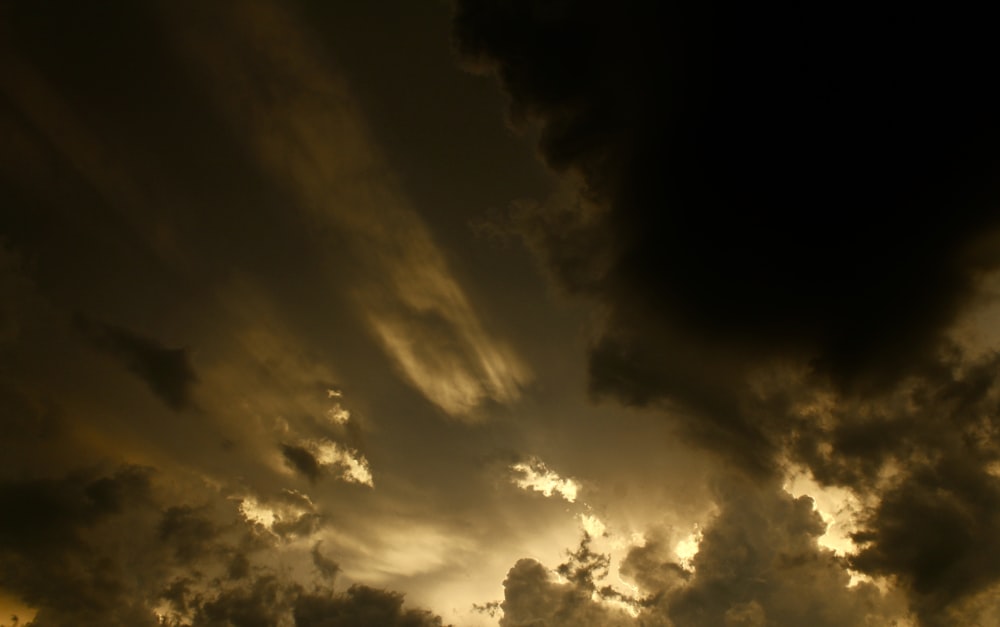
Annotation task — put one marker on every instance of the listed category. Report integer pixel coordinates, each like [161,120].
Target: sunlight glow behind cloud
[687,548]
[838,508]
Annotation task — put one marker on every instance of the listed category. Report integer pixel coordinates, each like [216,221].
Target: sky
[498,312]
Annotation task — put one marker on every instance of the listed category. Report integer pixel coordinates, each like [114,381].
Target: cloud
[166,371]
[781,244]
[315,458]
[326,566]
[353,466]
[267,600]
[535,475]
[313,142]
[188,531]
[301,460]
[532,597]
[746,199]
[758,562]
[360,606]
[937,532]
[742,229]
[52,555]
[116,549]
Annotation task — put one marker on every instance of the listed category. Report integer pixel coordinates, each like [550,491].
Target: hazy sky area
[498,312]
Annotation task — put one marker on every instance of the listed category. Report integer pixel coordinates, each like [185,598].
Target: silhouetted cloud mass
[72,548]
[784,213]
[301,460]
[167,371]
[762,182]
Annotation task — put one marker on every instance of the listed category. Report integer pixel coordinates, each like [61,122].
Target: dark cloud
[782,214]
[360,606]
[760,182]
[759,561]
[102,549]
[946,411]
[585,565]
[924,455]
[326,566]
[167,371]
[533,598]
[301,460]
[258,604]
[268,601]
[53,553]
[752,189]
[49,514]
[653,566]
[188,531]
[939,532]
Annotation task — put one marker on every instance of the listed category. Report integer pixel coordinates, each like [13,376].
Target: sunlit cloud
[535,475]
[337,414]
[352,465]
[838,507]
[255,512]
[315,142]
[287,509]
[687,549]
[592,525]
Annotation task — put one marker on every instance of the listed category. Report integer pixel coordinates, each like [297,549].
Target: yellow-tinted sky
[495,313]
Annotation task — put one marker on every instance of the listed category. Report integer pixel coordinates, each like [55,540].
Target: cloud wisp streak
[313,140]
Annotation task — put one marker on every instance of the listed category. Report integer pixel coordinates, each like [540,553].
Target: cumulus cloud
[362,606]
[758,562]
[55,545]
[532,597]
[937,532]
[114,549]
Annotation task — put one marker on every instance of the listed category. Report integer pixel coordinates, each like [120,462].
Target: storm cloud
[267,356]
[72,547]
[784,214]
[166,371]
[761,183]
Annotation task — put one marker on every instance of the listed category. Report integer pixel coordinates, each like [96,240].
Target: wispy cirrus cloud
[305,129]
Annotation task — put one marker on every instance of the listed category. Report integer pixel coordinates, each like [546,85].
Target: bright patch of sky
[535,475]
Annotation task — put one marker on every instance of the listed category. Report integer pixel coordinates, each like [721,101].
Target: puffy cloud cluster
[111,549]
[758,563]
